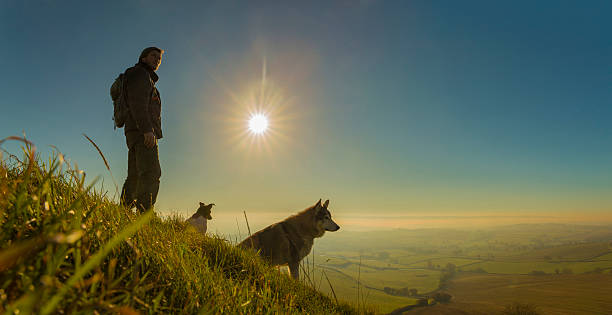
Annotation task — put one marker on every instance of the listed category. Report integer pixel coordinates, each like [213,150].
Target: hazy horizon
[233,223]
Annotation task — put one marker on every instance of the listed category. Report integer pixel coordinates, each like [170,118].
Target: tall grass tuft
[67,248]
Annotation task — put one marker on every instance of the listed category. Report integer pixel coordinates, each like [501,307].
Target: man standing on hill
[142,130]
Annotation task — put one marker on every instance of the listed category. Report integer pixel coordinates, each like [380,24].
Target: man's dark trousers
[144,171]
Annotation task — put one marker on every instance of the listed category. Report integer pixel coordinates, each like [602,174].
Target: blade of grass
[330,286]
[24,140]
[247,222]
[105,163]
[359,284]
[96,260]
[99,151]
[29,149]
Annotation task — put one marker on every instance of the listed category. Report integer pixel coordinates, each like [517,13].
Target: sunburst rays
[260,99]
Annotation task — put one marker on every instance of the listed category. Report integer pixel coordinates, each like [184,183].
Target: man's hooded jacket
[143,101]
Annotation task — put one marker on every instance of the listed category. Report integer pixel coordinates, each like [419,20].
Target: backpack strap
[124,88]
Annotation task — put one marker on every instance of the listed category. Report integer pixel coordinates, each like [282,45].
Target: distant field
[408,260]
[501,267]
[442,262]
[503,257]
[420,279]
[566,252]
[554,294]
[377,263]
[604,257]
[374,276]
[354,259]
[345,288]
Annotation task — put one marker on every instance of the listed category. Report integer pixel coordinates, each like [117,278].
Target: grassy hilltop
[65,248]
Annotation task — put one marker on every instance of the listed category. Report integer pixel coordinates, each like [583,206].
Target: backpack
[118,94]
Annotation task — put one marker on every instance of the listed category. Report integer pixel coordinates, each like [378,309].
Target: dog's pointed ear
[318,204]
[202,204]
[326,204]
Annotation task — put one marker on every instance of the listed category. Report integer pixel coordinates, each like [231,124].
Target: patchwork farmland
[560,269]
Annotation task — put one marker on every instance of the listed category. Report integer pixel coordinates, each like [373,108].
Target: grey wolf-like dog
[289,241]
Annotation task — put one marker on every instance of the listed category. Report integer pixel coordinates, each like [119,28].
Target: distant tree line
[401,292]
[518,308]
[447,273]
[564,271]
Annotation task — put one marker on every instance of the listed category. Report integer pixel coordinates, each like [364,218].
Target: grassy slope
[65,248]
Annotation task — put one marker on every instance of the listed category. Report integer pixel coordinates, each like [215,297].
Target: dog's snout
[332,227]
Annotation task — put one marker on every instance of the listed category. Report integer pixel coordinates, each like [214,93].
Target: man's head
[152,56]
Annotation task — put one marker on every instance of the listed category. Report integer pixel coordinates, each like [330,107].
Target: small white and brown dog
[200,218]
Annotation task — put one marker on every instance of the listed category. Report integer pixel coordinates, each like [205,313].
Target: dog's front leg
[294,268]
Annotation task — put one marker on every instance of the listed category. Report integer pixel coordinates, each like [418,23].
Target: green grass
[65,248]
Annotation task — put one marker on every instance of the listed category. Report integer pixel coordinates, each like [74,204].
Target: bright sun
[258,123]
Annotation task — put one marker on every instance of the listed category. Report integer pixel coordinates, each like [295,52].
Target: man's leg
[149,172]
[128,192]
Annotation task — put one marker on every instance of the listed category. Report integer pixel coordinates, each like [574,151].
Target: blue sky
[398,107]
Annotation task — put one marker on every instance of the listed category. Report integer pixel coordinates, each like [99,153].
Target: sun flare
[261,119]
[258,123]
